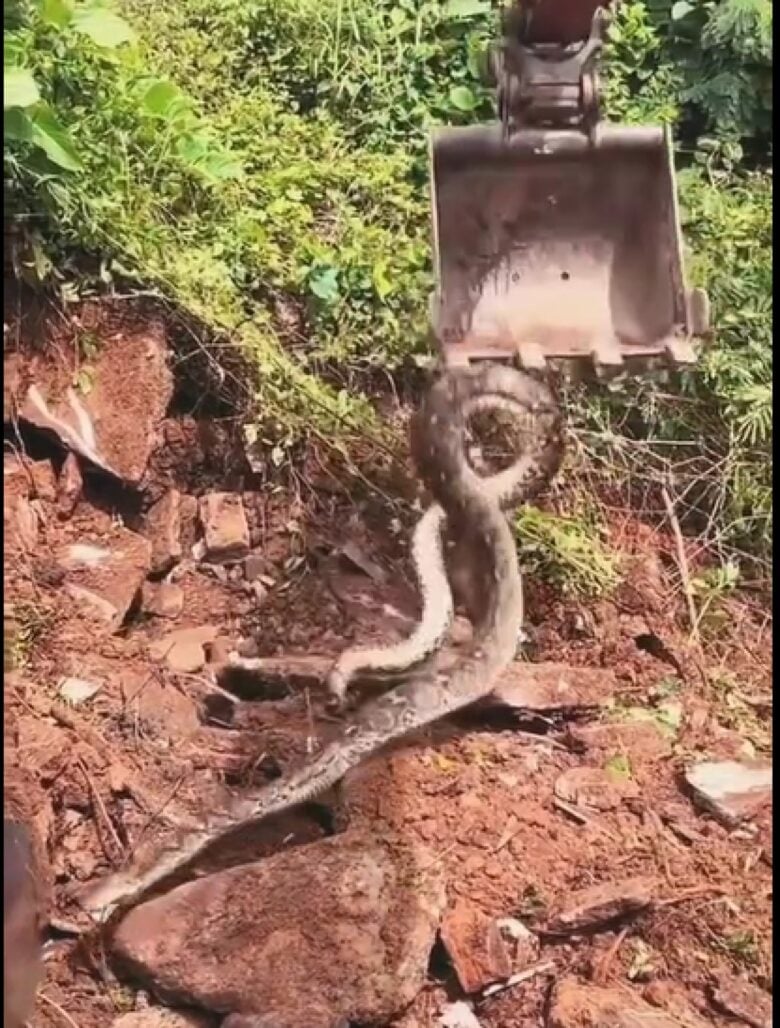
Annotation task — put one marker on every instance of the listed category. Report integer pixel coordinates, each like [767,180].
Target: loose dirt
[480,793]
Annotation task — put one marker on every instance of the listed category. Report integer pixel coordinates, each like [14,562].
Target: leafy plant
[567,551]
[262,165]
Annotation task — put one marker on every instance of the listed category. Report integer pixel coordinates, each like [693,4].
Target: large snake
[473,504]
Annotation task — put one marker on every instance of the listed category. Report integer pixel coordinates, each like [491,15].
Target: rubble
[475,946]
[730,790]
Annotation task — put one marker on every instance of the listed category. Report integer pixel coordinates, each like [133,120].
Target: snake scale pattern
[475,506]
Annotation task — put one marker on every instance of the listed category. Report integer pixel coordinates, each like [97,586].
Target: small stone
[107,576]
[163,599]
[248,648]
[184,650]
[162,526]
[69,487]
[743,1000]
[552,687]
[574,1005]
[475,946]
[601,905]
[458,1015]
[254,567]
[732,791]
[219,650]
[521,942]
[225,528]
[78,690]
[594,788]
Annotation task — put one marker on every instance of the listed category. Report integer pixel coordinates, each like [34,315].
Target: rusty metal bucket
[557,245]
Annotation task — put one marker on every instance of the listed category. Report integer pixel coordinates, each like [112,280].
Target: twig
[682,562]
[571,810]
[102,812]
[156,814]
[547,967]
[55,1006]
[602,968]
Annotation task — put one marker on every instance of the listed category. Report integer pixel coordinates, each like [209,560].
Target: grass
[262,167]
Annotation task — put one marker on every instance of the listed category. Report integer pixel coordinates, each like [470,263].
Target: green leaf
[17,125]
[462,98]
[103,27]
[466,8]
[53,139]
[19,88]
[325,284]
[58,13]
[382,283]
[164,100]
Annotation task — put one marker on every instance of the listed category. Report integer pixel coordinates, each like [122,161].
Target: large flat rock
[337,930]
[108,408]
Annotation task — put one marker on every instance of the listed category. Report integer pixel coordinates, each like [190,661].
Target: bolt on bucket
[559,245]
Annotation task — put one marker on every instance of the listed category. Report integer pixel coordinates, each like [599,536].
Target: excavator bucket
[551,245]
[556,235]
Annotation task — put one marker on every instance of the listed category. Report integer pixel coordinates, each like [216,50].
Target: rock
[77,690]
[552,687]
[20,524]
[475,946]
[190,523]
[458,1015]
[115,424]
[160,1017]
[574,1005]
[254,567]
[33,479]
[601,905]
[675,1000]
[184,650]
[69,487]
[522,944]
[44,745]
[170,712]
[731,790]
[739,998]
[641,739]
[218,651]
[22,965]
[162,599]
[225,528]
[107,574]
[595,788]
[162,526]
[338,930]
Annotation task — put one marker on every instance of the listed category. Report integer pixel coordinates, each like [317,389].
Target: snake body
[475,505]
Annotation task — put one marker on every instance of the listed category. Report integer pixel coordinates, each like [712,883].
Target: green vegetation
[567,551]
[261,164]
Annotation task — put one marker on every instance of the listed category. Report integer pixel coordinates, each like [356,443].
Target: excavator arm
[556,235]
